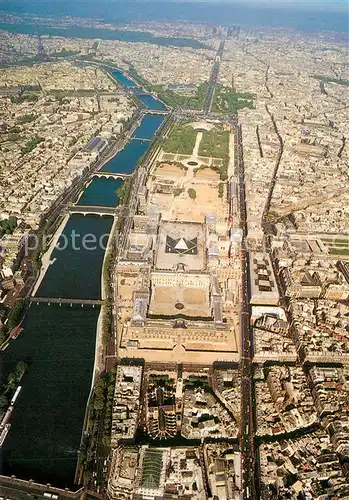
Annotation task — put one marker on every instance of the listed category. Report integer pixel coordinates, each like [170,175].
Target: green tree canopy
[192,193]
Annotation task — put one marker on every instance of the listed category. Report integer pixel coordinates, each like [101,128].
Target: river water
[58,342]
[101,192]
[121,78]
[126,161]
[147,99]
[148,127]
[150,102]
[30,28]
[75,274]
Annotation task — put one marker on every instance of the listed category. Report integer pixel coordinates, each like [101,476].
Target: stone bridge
[112,175]
[92,210]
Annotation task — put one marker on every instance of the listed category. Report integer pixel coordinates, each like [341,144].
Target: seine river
[102,33]
[58,342]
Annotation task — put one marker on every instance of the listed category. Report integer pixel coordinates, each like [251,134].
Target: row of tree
[13,380]
[98,430]
[14,317]
[124,191]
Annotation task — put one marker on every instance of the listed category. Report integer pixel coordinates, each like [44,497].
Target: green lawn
[344,244]
[173,100]
[339,251]
[330,79]
[336,242]
[214,143]
[181,140]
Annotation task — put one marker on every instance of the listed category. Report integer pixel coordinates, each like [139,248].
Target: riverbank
[99,33]
[99,365]
[46,257]
[58,339]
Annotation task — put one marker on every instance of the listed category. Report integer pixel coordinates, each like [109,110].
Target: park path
[197,145]
[194,157]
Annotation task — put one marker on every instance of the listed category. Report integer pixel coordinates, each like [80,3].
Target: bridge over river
[141,139]
[156,111]
[111,175]
[59,300]
[92,210]
[53,332]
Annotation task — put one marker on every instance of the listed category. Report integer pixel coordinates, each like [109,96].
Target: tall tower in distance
[41,53]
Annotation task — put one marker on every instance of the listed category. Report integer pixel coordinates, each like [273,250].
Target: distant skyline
[295,4]
[316,4]
[303,15]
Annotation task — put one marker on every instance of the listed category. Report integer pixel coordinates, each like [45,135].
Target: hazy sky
[298,4]
[158,9]
[333,5]
[274,3]
[304,15]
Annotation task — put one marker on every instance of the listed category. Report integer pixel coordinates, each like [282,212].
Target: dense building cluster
[47,123]
[306,466]
[229,294]
[181,404]
[283,401]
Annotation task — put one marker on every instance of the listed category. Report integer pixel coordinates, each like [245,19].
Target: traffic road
[247,417]
[213,79]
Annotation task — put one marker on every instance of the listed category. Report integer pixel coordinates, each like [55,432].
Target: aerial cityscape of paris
[174,249]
